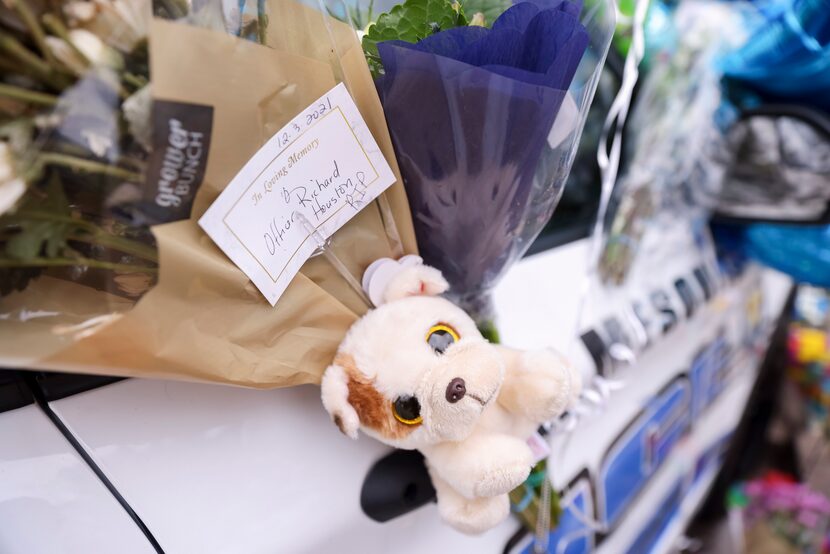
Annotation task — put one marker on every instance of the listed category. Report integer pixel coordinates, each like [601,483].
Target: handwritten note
[310,178]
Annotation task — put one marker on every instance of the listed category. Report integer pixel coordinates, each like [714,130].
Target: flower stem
[240,5]
[121,244]
[10,66]
[28,96]
[174,8]
[80,151]
[35,29]
[88,166]
[63,262]
[11,46]
[96,235]
[58,29]
[262,21]
[55,7]
[134,80]
[33,64]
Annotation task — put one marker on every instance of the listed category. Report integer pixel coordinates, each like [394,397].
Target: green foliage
[33,239]
[489,331]
[65,223]
[528,497]
[44,236]
[411,21]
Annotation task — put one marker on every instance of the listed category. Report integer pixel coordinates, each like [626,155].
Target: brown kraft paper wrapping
[205,320]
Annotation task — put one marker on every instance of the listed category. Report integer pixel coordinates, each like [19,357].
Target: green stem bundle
[134,80]
[13,48]
[174,8]
[34,66]
[262,22]
[68,262]
[58,29]
[30,20]
[27,96]
[88,166]
[96,235]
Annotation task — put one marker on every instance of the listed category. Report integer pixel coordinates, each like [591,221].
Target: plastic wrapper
[119,128]
[676,127]
[485,122]
[801,251]
[788,55]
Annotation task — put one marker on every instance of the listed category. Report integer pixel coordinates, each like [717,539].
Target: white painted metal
[50,501]
[230,470]
[216,469]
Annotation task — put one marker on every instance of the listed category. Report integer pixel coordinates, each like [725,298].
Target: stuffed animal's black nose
[456,390]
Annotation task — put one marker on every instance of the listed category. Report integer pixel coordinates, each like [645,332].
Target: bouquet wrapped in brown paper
[121,122]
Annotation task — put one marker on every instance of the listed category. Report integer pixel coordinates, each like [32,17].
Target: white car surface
[213,469]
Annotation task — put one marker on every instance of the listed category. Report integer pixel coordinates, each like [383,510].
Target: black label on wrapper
[176,168]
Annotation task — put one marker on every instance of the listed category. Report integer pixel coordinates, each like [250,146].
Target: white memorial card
[316,173]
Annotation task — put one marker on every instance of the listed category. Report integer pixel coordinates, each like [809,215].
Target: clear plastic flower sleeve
[485,116]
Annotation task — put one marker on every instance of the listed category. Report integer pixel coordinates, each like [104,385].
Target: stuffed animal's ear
[418,280]
[387,280]
[335,393]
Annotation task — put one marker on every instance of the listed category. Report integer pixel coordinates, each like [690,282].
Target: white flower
[95,50]
[478,20]
[125,193]
[120,23]
[98,144]
[12,186]
[137,111]
[66,55]
[46,121]
[80,12]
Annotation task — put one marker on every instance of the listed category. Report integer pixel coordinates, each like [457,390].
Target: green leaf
[411,21]
[489,331]
[28,243]
[55,201]
[490,8]
[40,237]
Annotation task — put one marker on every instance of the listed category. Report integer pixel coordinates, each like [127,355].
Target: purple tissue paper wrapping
[469,110]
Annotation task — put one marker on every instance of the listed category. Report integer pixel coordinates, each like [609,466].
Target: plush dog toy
[415,373]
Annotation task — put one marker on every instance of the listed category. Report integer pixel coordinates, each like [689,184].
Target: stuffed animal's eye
[407,410]
[440,337]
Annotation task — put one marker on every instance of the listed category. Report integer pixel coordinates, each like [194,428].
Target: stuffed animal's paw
[503,479]
[468,515]
[473,516]
[543,386]
[487,465]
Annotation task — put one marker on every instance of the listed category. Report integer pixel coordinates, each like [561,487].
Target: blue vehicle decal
[708,375]
[663,515]
[641,449]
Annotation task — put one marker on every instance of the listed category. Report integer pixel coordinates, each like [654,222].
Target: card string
[324,249]
[390,226]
